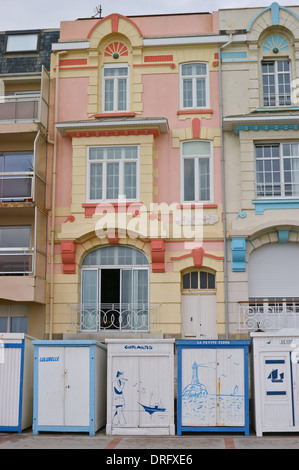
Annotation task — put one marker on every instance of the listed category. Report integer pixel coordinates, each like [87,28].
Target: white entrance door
[199,316]
[63,389]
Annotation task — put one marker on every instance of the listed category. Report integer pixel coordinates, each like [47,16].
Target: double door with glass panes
[115,298]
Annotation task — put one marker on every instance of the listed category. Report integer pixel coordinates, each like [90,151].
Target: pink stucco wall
[151,25]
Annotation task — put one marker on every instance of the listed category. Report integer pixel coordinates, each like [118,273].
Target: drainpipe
[52,231]
[223,189]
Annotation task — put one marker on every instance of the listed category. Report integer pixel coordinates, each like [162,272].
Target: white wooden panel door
[154,392]
[276,391]
[125,392]
[199,387]
[77,386]
[10,374]
[230,387]
[199,316]
[51,386]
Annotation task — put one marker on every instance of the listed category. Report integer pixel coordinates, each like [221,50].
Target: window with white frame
[194,85]
[276,80]
[277,169]
[113,173]
[196,171]
[115,88]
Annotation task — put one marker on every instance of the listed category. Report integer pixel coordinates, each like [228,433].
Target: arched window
[115,289]
[198,280]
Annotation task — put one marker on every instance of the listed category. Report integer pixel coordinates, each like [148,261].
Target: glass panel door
[89,313]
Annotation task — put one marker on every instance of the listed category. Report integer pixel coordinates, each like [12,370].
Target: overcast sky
[41,14]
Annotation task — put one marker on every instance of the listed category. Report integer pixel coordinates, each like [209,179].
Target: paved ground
[167,445]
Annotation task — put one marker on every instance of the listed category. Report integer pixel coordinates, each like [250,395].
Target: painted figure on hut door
[118,399]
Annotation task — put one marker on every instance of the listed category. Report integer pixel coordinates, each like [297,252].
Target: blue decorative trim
[20,346]
[234,55]
[261,205]
[238,246]
[274,7]
[266,127]
[283,235]
[275,41]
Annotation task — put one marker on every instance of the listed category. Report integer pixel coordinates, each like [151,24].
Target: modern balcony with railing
[268,315]
[28,105]
[125,317]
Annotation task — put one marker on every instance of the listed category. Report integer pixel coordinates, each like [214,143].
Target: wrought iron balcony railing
[268,315]
[127,317]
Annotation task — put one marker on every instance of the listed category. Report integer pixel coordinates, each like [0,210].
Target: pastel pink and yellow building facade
[135,229]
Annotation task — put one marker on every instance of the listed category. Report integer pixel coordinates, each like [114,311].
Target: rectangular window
[115,88]
[14,319]
[16,172]
[22,42]
[194,85]
[196,171]
[276,78]
[113,173]
[15,243]
[277,170]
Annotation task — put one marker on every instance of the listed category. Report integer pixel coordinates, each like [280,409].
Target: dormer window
[22,42]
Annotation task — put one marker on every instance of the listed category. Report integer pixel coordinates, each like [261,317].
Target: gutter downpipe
[52,231]
[223,190]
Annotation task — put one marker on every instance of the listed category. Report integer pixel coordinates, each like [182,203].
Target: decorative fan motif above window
[116,50]
[275,43]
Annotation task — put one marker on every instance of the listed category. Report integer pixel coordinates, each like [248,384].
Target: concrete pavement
[186,442]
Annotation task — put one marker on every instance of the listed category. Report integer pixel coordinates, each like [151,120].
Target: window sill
[265,204]
[195,111]
[114,114]
[106,206]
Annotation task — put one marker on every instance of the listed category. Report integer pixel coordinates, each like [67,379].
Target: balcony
[16,261]
[114,317]
[25,106]
[16,186]
[20,107]
[268,315]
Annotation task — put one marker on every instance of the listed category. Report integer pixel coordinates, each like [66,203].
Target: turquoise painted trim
[226,61]
[291,12]
[20,346]
[238,247]
[256,16]
[266,127]
[274,7]
[275,13]
[282,108]
[234,55]
[275,40]
[261,205]
[283,235]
